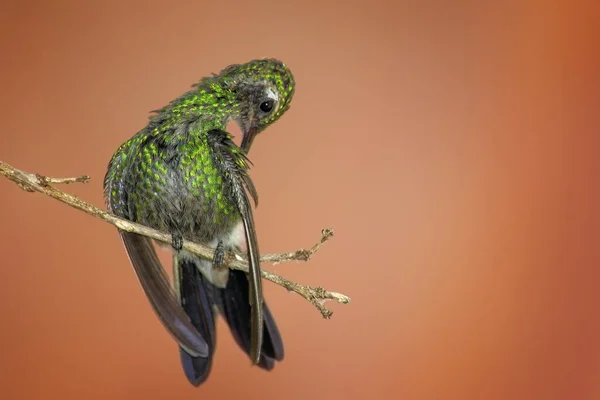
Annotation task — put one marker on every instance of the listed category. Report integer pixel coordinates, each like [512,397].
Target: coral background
[452,146]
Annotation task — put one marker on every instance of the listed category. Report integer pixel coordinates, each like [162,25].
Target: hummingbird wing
[161,295]
[233,165]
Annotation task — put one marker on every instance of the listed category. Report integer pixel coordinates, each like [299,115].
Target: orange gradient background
[452,146]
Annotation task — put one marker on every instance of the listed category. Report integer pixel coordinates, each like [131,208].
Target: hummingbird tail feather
[196,300]
[235,308]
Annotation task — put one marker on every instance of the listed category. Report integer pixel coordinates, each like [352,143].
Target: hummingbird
[184,175]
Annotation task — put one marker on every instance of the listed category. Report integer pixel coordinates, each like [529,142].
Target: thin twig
[46,180]
[315,295]
[301,254]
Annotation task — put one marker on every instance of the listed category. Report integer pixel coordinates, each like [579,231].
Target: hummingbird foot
[219,255]
[177,241]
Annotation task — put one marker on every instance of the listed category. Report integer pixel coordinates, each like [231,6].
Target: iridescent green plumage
[213,103]
[183,174]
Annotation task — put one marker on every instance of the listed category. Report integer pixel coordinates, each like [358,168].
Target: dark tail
[234,305]
[198,296]
[196,299]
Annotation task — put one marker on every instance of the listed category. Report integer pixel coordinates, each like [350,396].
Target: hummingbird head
[264,89]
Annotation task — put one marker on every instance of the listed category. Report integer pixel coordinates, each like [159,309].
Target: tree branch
[317,296]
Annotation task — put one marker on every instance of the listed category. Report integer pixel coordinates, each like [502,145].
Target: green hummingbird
[184,175]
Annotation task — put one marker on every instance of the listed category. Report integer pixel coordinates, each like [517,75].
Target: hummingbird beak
[248,138]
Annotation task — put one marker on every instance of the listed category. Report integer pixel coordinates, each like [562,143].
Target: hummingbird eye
[266,106]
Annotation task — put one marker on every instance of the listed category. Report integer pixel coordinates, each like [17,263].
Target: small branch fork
[317,296]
